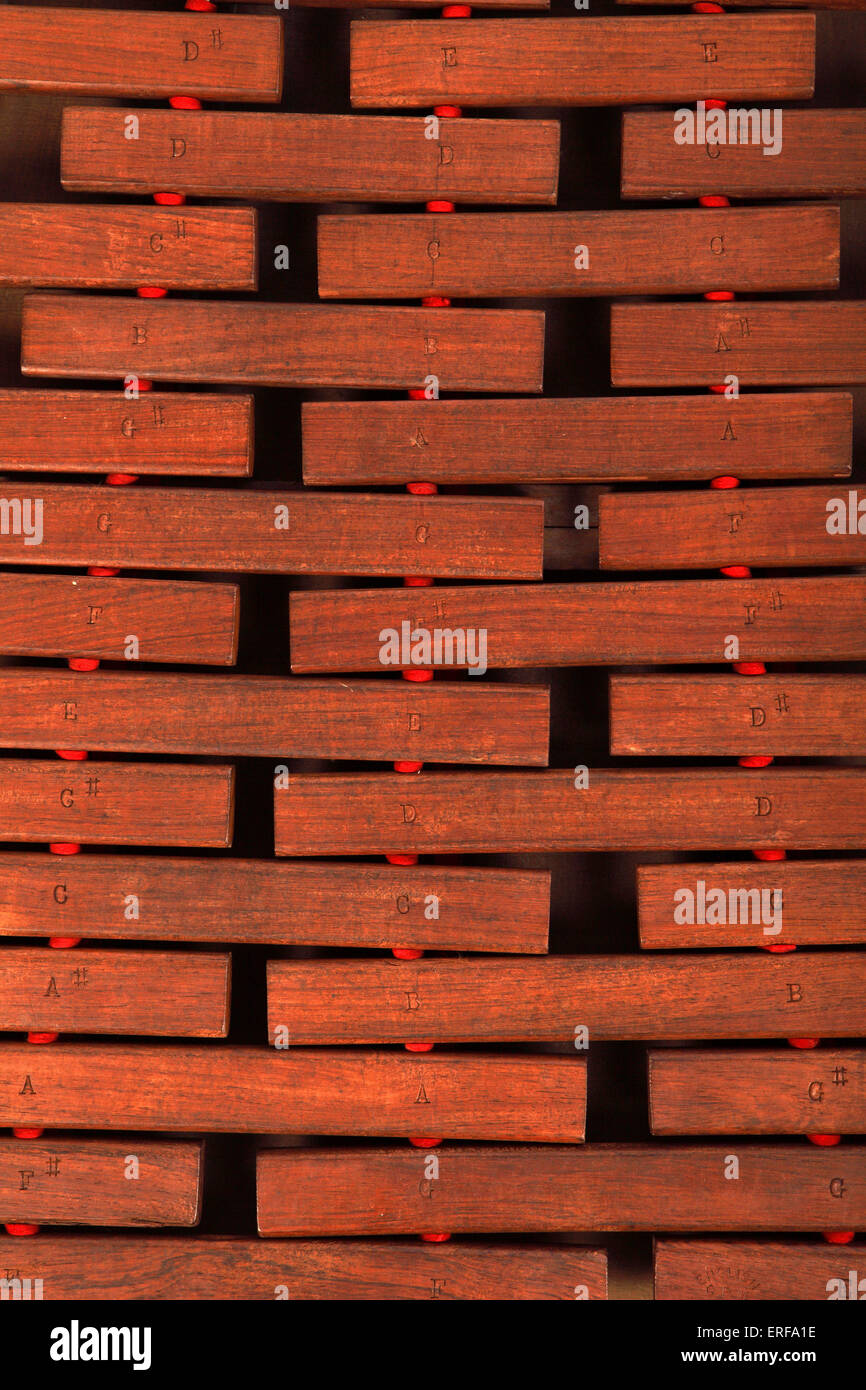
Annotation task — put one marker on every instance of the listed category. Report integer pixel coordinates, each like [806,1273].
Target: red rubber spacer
[456,11]
[102,571]
[418,1046]
[737,571]
[435,301]
[755,760]
[121,479]
[770,855]
[418,676]
[447,112]
[59,847]
[436,1238]
[72,755]
[422,489]
[725,481]
[417,581]
[407,767]
[720,296]
[151,292]
[83,663]
[778,948]
[423,1142]
[440,205]
[836,1237]
[185,103]
[402,860]
[824,1141]
[417,393]
[169,200]
[803,1042]
[28,1131]
[39,1038]
[406,953]
[750,668]
[144,384]
[64,943]
[20,1228]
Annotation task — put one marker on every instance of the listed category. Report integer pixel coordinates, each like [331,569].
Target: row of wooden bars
[499,1159]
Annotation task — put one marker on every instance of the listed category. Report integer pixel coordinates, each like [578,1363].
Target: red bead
[824,1141]
[804,1043]
[83,663]
[750,668]
[424,1143]
[437,1238]
[770,855]
[737,571]
[422,489]
[169,200]
[755,760]
[185,103]
[64,943]
[447,112]
[40,1038]
[121,479]
[420,677]
[72,755]
[102,571]
[725,481]
[402,860]
[28,1131]
[407,767]
[61,848]
[151,292]
[838,1237]
[418,1046]
[720,296]
[20,1228]
[406,953]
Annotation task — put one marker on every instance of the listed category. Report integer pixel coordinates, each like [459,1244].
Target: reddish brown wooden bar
[580,61]
[743,1269]
[256,716]
[789,715]
[734,4]
[621,809]
[602,1187]
[785,619]
[284,532]
[213,1267]
[629,438]
[741,1091]
[115,52]
[282,344]
[763,344]
[172,620]
[246,1089]
[114,992]
[752,526]
[87,1182]
[116,803]
[291,157]
[822,154]
[161,432]
[614,997]
[823,903]
[148,898]
[672,251]
[91,246]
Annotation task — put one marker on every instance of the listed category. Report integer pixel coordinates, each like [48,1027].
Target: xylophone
[539,976]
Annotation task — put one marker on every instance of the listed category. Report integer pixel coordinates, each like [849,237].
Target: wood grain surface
[283,532]
[601,1187]
[136,54]
[109,803]
[246,1089]
[737,1270]
[779,1091]
[581,61]
[265,716]
[618,998]
[64,615]
[822,155]
[790,715]
[161,432]
[240,1268]
[149,898]
[281,344]
[178,994]
[292,157]
[519,254]
[582,439]
[621,809]
[89,246]
[648,623]
[823,903]
[763,344]
[768,526]
[85,1182]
